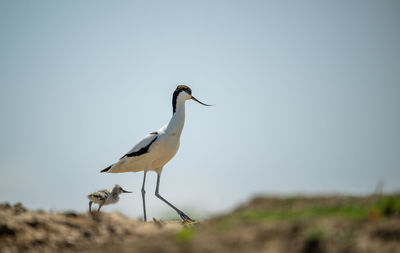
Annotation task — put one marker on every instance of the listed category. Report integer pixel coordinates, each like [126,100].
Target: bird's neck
[175,125]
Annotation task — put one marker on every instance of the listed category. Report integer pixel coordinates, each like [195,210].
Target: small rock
[71,214]
[5,230]
[19,208]
[5,206]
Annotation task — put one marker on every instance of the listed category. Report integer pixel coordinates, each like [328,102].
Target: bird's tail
[107,169]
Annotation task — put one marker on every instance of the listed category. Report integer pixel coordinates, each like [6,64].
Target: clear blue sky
[307,98]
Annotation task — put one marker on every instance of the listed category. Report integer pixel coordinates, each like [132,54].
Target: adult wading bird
[157,148]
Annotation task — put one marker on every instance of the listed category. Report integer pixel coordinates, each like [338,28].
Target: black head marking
[176,93]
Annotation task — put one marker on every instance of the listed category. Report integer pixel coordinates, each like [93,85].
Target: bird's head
[118,189]
[181,94]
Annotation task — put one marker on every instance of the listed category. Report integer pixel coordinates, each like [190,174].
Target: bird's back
[151,153]
[99,196]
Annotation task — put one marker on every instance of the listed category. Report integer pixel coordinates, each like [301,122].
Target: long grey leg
[143,193]
[100,205]
[90,206]
[182,214]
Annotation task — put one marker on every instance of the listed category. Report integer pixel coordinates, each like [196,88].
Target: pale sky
[306,94]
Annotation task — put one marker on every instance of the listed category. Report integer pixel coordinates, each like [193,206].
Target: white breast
[165,150]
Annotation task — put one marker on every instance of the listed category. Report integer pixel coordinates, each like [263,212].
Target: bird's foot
[185,218]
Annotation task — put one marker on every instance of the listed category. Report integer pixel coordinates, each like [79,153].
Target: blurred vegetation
[387,206]
[185,234]
[313,240]
[351,212]
[289,209]
[313,216]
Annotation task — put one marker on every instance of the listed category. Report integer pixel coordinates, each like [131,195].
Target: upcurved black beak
[195,99]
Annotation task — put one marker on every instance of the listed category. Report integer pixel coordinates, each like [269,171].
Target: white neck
[175,125]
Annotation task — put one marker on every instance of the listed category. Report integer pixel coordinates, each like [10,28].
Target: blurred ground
[265,224]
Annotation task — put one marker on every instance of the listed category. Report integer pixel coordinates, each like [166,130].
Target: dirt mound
[22,230]
[265,224]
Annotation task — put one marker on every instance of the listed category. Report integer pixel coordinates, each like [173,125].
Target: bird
[105,197]
[157,148]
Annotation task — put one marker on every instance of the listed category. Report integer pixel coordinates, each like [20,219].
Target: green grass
[185,235]
[385,206]
[354,212]
[389,206]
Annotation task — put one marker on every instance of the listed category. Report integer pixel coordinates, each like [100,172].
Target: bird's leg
[182,214]
[143,193]
[90,206]
[100,205]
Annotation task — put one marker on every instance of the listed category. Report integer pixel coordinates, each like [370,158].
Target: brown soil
[22,230]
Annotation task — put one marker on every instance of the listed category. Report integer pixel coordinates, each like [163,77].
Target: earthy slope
[265,224]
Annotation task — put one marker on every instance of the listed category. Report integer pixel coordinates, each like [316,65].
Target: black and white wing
[143,146]
[139,149]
